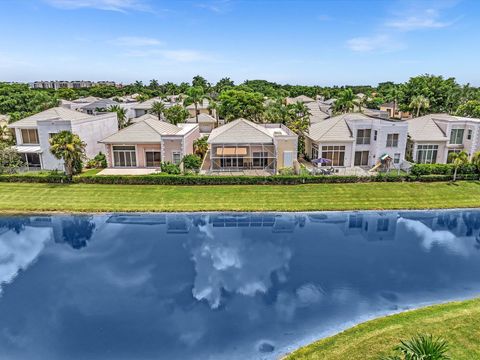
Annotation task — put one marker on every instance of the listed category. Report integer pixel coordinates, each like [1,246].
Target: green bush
[287,171]
[192,162]
[98,162]
[36,177]
[441,169]
[169,168]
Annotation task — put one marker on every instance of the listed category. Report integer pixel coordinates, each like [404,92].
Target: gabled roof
[146,131]
[85,100]
[317,114]
[147,104]
[100,104]
[300,98]
[146,116]
[202,118]
[203,105]
[240,131]
[56,113]
[332,129]
[424,128]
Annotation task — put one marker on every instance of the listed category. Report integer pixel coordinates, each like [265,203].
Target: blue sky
[297,42]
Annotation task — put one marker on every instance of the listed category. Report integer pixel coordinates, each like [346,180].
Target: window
[469,134]
[124,156]
[152,158]
[314,151]
[176,157]
[427,154]
[231,162]
[375,135]
[363,136]
[334,153]
[30,136]
[382,225]
[392,140]
[31,160]
[361,158]
[355,221]
[456,136]
[260,159]
[396,158]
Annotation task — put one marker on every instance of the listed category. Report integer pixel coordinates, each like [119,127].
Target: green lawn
[25,197]
[457,322]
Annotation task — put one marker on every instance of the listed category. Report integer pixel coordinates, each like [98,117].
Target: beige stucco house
[206,122]
[147,143]
[394,111]
[433,137]
[244,145]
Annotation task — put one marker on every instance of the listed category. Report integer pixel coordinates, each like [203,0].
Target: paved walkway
[126,171]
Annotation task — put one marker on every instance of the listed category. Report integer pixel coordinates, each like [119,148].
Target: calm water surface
[220,286]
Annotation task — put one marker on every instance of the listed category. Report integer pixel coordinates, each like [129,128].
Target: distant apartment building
[33,133]
[356,139]
[434,137]
[393,111]
[77,84]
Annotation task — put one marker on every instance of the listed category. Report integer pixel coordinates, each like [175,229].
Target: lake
[220,285]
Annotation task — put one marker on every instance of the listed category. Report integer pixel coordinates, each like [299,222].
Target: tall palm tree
[214,106]
[458,159]
[419,102]
[70,148]
[195,95]
[395,93]
[158,108]
[346,101]
[121,115]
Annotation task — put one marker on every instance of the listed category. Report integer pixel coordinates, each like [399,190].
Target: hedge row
[229,180]
[441,169]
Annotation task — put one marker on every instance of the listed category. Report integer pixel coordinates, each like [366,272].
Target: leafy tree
[443,94]
[476,160]
[192,162]
[419,102]
[214,106]
[103,91]
[458,159]
[70,148]
[78,231]
[420,347]
[176,114]
[154,84]
[98,162]
[67,94]
[241,104]
[299,123]
[469,109]
[6,135]
[223,84]
[195,95]
[121,115]
[10,159]
[277,112]
[158,108]
[200,146]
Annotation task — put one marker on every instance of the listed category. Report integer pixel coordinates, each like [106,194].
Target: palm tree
[200,146]
[476,160]
[121,115]
[346,101]
[158,108]
[421,347]
[419,102]
[70,148]
[214,106]
[195,95]
[395,93]
[458,159]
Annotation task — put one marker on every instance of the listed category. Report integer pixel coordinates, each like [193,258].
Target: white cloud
[380,42]
[109,5]
[136,41]
[427,19]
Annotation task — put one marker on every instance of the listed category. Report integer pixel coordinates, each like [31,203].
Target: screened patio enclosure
[228,157]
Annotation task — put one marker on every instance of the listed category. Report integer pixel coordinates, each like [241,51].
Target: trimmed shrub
[287,171]
[169,168]
[441,169]
[36,177]
[192,162]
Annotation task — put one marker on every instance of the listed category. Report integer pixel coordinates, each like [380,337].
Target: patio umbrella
[321,161]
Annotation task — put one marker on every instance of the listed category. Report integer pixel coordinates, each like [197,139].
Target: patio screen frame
[267,161]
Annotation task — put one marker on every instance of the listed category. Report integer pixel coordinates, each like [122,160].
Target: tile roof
[146,131]
[240,131]
[100,104]
[202,118]
[56,113]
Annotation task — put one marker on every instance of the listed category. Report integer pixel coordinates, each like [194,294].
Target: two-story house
[356,139]
[434,137]
[33,133]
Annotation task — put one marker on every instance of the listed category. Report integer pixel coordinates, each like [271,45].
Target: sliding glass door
[124,156]
[152,158]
